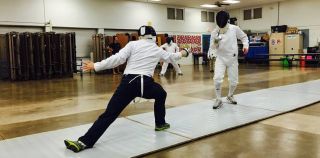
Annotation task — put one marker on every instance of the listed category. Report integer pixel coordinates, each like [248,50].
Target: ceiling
[197,3]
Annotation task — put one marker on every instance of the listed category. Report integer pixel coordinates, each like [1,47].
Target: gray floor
[134,136]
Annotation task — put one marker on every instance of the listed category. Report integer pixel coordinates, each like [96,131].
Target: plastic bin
[302,62]
[285,62]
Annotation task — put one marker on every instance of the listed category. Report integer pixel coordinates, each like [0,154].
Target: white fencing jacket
[142,57]
[172,48]
[226,48]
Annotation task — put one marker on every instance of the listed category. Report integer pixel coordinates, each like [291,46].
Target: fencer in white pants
[175,66]
[172,48]
[223,44]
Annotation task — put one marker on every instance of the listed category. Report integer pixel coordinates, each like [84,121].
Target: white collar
[225,29]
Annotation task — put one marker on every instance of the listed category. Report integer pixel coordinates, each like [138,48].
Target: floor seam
[163,131]
[259,108]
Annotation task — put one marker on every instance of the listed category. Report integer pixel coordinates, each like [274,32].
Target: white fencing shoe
[231,100]
[217,104]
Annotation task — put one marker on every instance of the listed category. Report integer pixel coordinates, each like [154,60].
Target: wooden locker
[99,47]
[74,51]
[134,37]
[42,56]
[162,39]
[30,55]
[49,50]
[123,39]
[14,55]
[63,53]
[57,56]
[69,54]
[102,49]
[4,62]
[26,58]
[108,42]
[95,43]
[39,55]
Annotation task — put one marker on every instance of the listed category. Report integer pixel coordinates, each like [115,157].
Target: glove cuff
[187,52]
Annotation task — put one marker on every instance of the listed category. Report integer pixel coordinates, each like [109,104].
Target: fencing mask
[169,40]
[147,31]
[222,18]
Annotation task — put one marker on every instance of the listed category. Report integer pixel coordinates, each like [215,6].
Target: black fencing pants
[129,88]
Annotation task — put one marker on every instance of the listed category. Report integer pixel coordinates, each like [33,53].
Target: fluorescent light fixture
[208,5]
[231,1]
[155,0]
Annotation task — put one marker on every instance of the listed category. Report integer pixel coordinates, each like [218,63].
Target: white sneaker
[231,100]
[217,104]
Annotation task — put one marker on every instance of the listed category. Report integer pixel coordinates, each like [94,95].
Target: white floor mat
[199,119]
[310,87]
[277,99]
[124,138]
[135,135]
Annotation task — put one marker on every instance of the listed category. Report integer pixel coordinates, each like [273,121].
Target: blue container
[255,52]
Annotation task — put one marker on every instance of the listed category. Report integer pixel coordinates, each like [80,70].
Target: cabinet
[294,44]
[276,46]
[277,43]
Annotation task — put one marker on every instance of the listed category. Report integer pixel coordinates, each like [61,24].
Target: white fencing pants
[219,71]
[174,64]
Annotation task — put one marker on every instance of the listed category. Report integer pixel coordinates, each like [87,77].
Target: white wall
[97,14]
[21,12]
[303,14]
[269,14]
[299,13]
[119,15]
[6,29]
[92,14]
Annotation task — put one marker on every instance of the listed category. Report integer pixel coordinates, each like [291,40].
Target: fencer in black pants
[141,56]
[124,94]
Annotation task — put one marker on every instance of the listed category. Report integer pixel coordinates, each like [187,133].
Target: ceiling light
[155,0]
[231,1]
[208,5]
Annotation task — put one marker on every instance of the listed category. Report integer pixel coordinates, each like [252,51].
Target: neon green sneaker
[75,146]
[162,127]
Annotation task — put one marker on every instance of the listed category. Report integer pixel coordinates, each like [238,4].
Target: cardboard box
[293,44]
